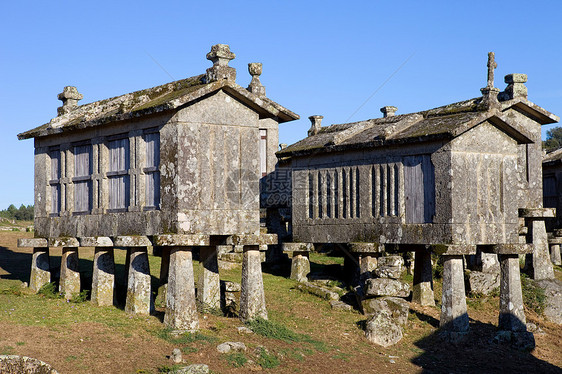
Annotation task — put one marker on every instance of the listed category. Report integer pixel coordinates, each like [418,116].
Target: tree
[553,139]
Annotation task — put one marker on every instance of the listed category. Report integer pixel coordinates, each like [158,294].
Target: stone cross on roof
[69,97]
[220,55]
[491,66]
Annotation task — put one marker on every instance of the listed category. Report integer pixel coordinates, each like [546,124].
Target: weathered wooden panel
[419,189]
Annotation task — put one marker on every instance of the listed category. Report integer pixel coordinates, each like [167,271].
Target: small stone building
[450,180]
[175,166]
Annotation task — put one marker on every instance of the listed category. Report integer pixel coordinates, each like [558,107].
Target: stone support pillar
[367,263]
[181,309]
[555,254]
[252,296]
[300,266]
[422,291]
[454,316]
[69,273]
[138,282]
[512,316]
[209,290]
[103,277]
[541,265]
[40,268]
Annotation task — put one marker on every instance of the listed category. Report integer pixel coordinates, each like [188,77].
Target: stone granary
[176,167]
[450,180]
[552,185]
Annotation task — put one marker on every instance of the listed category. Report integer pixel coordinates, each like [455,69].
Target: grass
[267,360]
[236,359]
[533,296]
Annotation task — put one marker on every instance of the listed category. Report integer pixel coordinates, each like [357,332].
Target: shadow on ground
[16,264]
[477,352]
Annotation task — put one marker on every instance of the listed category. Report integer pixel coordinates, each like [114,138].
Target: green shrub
[79,297]
[49,290]
[533,296]
[236,359]
[267,360]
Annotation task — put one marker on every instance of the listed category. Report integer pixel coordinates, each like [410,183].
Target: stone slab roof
[552,158]
[157,99]
[445,122]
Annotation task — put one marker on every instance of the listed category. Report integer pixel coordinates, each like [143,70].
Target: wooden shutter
[419,189]
[118,173]
[82,175]
[151,170]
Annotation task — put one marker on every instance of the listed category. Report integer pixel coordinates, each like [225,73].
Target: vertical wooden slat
[339,193]
[376,192]
[329,194]
[351,193]
[391,189]
[311,201]
[345,201]
[357,193]
[383,188]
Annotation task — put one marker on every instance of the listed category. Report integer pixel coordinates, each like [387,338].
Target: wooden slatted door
[152,198]
[419,189]
[82,178]
[118,174]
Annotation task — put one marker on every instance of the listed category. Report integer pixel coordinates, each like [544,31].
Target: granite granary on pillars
[448,180]
[176,167]
[552,185]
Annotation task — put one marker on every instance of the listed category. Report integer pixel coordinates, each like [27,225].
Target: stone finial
[315,124]
[69,97]
[491,66]
[254,68]
[388,111]
[220,55]
[516,86]
[490,93]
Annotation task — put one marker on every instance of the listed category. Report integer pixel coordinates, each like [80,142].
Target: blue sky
[319,57]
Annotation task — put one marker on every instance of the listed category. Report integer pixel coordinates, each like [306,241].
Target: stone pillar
[181,310]
[300,266]
[252,296]
[512,316]
[541,265]
[103,277]
[454,317]
[40,268]
[209,290]
[367,263]
[555,254]
[422,291]
[69,273]
[138,282]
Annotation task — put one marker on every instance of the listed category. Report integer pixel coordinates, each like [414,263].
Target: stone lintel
[555,241]
[366,247]
[33,242]
[454,249]
[64,242]
[523,230]
[182,240]
[95,241]
[252,239]
[297,247]
[537,213]
[512,248]
[132,241]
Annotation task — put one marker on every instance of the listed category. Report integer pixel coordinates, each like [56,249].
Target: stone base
[524,341]
[252,296]
[422,291]
[40,269]
[181,309]
[103,277]
[454,317]
[555,254]
[69,273]
[300,266]
[208,292]
[138,285]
